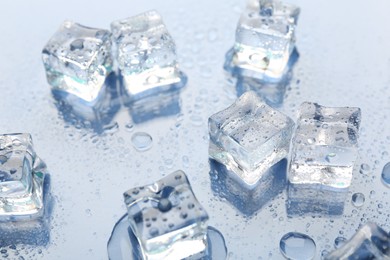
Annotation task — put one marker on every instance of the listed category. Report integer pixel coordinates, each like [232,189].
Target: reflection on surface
[161,105]
[247,200]
[34,232]
[144,92]
[123,245]
[270,89]
[315,200]
[96,115]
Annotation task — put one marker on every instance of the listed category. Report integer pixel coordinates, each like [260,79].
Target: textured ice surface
[370,242]
[167,219]
[249,137]
[21,178]
[324,150]
[146,53]
[265,37]
[77,59]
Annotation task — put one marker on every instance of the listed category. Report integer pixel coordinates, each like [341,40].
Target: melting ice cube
[249,137]
[265,37]
[167,219]
[323,155]
[370,242]
[146,54]
[21,178]
[77,60]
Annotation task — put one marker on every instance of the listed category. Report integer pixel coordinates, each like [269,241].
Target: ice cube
[146,54]
[77,60]
[167,219]
[265,37]
[249,137]
[324,151]
[21,178]
[370,242]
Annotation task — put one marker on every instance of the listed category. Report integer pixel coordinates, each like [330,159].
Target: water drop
[386,174]
[339,242]
[77,45]
[295,245]
[141,141]
[164,205]
[358,199]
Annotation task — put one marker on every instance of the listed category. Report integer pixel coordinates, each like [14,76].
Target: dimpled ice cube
[167,219]
[21,177]
[77,60]
[370,242]
[249,137]
[145,53]
[265,37]
[325,146]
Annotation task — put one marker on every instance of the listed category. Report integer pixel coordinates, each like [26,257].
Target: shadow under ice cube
[324,151]
[146,54]
[167,219]
[22,175]
[225,184]
[370,242]
[265,37]
[77,60]
[249,137]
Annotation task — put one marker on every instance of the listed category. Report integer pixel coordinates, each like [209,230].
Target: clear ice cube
[167,219]
[324,151]
[265,37]
[146,53]
[370,242]
[77,60]
[21,177]
[249,137]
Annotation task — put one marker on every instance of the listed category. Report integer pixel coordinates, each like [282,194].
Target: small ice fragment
[167,219]
[265,37]
[22,175]
[370,242]
[77,60]
[146,54]
[249,137]
[324,151]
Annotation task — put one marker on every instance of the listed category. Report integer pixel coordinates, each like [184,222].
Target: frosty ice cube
[145,53]
[370,242]
[265,37]
[167,219]
[249,137]
[323,153]
[77,60]
[21,178]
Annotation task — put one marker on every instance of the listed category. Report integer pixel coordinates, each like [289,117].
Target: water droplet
[153,232]
[129,127]
[77,44]
[295,245]
[164,205]
[365,167]
[259,60]
[386,174]
[339,242]
[141,141]
[213,35]
[358,199]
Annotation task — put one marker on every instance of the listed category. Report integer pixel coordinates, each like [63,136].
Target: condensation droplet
[295,245]
[141,141]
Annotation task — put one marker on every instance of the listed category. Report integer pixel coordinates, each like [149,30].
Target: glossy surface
[343,61]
